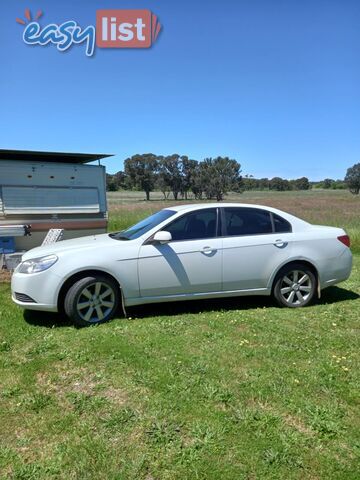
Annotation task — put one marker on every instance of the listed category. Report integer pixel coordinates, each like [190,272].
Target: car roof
[197,206]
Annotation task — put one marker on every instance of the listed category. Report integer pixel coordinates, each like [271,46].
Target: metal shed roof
[61,157]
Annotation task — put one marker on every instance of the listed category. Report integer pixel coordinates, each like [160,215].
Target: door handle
[207,250]
[280,243]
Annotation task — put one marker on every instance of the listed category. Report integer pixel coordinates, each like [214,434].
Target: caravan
[52,190]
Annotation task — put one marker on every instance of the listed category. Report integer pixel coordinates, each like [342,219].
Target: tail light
[345,239]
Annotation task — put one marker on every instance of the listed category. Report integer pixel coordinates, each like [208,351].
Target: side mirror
[162,237]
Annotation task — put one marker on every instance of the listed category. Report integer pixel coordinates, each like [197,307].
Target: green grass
[223,389]
[216,390]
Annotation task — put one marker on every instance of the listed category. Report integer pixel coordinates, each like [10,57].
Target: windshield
[144,226]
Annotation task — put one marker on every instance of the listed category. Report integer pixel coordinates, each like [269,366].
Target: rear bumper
[337,269]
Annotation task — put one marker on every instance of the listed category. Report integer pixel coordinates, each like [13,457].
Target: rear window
[247,221]
[280,224]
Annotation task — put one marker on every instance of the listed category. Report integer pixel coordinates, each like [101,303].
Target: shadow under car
[329,295]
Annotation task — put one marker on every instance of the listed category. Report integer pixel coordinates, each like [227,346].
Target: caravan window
[39,200]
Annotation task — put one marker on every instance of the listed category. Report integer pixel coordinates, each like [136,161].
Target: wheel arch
[300,261]
[69,282]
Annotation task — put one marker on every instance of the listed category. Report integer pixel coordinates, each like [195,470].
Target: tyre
[295,286]
[92,300]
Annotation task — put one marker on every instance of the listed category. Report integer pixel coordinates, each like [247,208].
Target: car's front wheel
[92,300]
[295,286]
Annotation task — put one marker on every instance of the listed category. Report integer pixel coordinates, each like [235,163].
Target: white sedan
[182,253]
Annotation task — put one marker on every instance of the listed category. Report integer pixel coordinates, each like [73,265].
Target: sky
[274,84]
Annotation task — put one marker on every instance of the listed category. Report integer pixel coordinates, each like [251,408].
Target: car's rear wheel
[295,286]
[92,300]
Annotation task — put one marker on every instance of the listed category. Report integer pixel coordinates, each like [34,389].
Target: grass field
[223,389]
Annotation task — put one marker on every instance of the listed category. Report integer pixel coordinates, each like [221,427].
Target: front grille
[21,297]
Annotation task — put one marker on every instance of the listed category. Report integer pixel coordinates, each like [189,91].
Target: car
[185,252]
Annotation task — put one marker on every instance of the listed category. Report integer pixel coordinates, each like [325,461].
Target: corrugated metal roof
[61,157]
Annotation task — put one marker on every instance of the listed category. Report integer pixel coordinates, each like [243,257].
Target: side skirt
[196,296]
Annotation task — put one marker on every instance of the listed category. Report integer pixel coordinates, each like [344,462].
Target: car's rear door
[255,242]
[190,263]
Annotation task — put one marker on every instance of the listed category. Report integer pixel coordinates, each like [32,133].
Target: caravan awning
[60,157]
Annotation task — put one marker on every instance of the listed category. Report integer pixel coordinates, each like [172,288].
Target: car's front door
[190,263]
[255,243]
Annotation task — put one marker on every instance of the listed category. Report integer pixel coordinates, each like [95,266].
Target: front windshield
[144,226]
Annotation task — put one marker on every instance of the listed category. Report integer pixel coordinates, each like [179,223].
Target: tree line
[178,175]
[211,178]
[282,184]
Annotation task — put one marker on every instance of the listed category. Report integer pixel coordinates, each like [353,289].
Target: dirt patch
[70,379]
[83,386]
[67,380]
[289,420]
[5,276]
[296,423]
[115,395]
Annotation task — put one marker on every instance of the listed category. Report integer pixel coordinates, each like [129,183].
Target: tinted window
[194,225]
[281,225]
[246,221]
[144,226]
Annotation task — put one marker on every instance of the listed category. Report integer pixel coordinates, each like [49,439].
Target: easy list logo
[114,29]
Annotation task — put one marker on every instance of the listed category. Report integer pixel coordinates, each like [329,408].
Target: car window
[194,225]
[246,221]
[281,225]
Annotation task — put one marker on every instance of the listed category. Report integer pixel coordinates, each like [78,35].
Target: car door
[190,263]
[255,243]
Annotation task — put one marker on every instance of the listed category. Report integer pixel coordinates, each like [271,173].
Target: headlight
[37,264]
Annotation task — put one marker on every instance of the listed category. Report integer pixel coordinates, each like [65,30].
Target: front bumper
[41,289]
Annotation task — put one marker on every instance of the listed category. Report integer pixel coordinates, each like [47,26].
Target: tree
[120,179]
[301,183]
[116,181]
[338,185]
[328,183]
[170,173]
[218,176]
[176,174]
[352,179]
[279,184]
[188,172]
[264,184]
[163,186]
[250,183]
[197,182]
[110,183]
[141,171]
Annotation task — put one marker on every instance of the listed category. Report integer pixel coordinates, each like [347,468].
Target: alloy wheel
[95,302]
[296,287]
